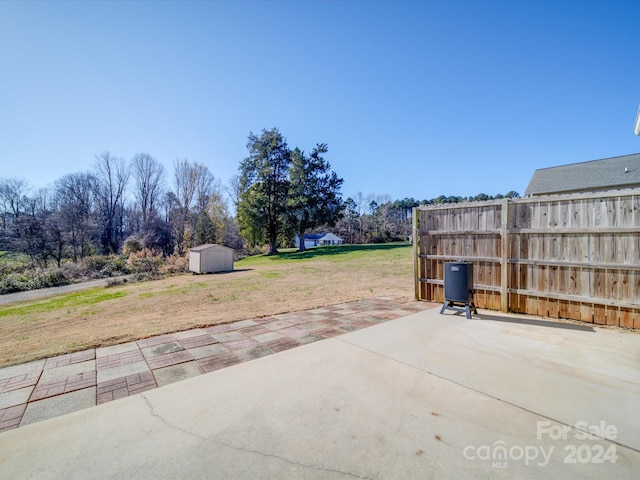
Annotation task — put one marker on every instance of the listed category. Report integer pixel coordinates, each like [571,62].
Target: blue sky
[414,99]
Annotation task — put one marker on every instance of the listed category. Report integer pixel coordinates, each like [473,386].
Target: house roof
[318,236]
[605,174]
[207,246]
[330,236]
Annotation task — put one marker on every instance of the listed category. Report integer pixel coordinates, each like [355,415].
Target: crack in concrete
[167,423]
[405,396]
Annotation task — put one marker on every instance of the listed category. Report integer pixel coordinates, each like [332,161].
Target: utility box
[211,258]
[458,287]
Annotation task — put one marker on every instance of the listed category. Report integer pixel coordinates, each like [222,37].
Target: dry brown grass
[260,286]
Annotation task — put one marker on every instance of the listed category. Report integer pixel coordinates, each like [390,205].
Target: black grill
[458,287]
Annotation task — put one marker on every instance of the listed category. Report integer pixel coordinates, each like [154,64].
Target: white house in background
[319,239]
[211,258]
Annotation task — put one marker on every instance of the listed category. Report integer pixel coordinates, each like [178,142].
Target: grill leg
[467,309]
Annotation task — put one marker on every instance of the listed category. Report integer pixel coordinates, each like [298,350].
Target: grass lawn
[259,286]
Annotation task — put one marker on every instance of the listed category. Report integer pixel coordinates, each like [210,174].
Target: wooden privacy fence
[563,256]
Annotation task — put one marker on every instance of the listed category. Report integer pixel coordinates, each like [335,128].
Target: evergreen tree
[263,185]
[314,191]
[205,230]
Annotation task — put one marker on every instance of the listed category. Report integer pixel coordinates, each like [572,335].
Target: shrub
[48,278]
[175,264]
[145,261]
[114,282]
[32,280]
[132,245]
[117,265]
[121,265]
[143,277]
[94,266]
[14,282]
[249,251]
[74,270]
[11,268]
[145,264]
[97,266]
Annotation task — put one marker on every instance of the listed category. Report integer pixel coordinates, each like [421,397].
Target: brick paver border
[128,369]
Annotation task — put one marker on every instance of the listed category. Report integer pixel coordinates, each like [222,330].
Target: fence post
[415,240]
[504,260]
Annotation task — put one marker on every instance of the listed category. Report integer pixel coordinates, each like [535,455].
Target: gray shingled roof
[605,174]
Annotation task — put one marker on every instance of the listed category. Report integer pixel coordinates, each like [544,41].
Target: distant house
[211,258]
[319,239]
[594,176]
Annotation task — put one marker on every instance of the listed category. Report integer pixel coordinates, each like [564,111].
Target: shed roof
[605,174]
[207,246]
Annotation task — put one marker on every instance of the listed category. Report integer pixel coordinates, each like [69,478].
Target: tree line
[117,201]
[378,219]
[278,193]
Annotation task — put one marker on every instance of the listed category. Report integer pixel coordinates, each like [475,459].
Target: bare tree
[234,190]
[193,184]
[13,195]
[13,202]
[75,194]
[184,182]
[148,175]
[218,212]
[205,186]
[112,175]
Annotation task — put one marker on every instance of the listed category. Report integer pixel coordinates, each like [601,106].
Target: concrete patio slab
[121,371]
[208,351]
[425,396]
[244,324]
[15,397]
[252,353]
[196,332]
[22,369]
[267,337]
[162,349]
[59,405]
[50,375]
[229,336]
[177,373]
[566,372]
[116,349]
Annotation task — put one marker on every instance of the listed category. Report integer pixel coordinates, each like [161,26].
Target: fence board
[570,256]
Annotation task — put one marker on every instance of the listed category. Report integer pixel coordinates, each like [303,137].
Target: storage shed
[210,258]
